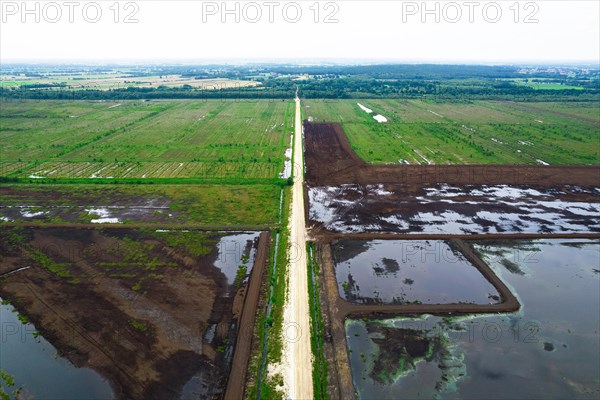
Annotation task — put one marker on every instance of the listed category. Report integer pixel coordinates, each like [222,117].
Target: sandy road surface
[296,328]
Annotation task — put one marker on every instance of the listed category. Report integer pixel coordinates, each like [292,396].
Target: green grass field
[481,132]
[214,139]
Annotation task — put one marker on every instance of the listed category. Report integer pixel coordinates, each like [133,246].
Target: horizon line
[317,61]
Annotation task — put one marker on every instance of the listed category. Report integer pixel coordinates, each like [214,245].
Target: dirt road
[296,328]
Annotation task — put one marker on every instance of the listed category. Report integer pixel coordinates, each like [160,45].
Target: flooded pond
[37,368]
[407,271]
[549,349]
[287,164]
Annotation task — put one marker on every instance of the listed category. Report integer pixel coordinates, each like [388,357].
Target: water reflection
[549,349]
[37,368]
[405,271]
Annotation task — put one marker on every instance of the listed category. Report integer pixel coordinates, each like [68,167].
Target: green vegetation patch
[62,270]
[214,139]
[195,243]
[138,325]
[320,364]
[7,382]
[478,132]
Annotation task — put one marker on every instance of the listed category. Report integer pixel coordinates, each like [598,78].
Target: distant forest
[437,82]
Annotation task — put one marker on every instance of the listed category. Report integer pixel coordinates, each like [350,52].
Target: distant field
[134,139]
[203,204]
[482,132]
[541,85]
[114,81]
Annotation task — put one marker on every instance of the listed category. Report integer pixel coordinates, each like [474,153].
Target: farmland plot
[155,312]
[166,139]
[120,81]
[481,132]
[39,130]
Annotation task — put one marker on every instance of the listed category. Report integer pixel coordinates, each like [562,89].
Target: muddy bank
[149,310]
[37,368]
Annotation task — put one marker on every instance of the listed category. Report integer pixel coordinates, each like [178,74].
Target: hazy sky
[466,31]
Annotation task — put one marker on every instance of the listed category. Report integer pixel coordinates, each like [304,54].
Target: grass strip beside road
[320,364]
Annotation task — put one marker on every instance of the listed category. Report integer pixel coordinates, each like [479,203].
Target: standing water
[549,349]
[406,271]
[37,368]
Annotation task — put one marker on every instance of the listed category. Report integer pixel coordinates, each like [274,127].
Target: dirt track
[239,364]
[296,324]
[330,160]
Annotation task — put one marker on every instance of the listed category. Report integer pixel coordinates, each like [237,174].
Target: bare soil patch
[146,312]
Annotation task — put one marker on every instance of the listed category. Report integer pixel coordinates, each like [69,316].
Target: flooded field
[160,204]
[85,206]
[156,312]
[405,271]
[448,209]
[549,349]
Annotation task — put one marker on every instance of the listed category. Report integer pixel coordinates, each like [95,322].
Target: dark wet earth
[444,209]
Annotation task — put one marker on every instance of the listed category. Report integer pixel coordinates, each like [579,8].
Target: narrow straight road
[296,313]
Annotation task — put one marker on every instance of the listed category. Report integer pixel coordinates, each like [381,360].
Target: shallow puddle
[408,271]
[236,251]
[549,349]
